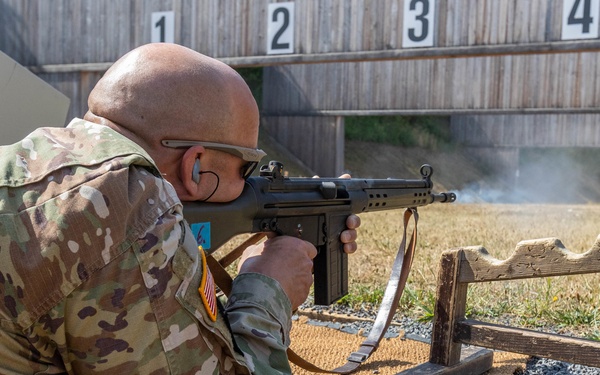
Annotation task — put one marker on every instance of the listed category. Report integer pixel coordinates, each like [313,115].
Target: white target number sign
[163,27]
[580,19]
[280,28]
[418,25]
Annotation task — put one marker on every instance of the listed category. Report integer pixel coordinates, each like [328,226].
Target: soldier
[99,272]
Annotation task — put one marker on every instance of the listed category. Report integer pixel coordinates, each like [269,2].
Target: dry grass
[496,227]
[571,300]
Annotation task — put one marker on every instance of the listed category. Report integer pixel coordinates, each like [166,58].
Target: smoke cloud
[542,176]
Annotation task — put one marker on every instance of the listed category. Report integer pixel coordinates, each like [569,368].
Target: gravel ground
[415,330]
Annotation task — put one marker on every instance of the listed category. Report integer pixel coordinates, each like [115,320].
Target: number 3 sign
[280,29]
[419,17]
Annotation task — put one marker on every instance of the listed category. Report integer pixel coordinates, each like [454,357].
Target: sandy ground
[328,348]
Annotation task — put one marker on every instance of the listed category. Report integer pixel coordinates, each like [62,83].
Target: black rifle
[314,209]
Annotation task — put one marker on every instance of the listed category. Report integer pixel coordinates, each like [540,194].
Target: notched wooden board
[532,258]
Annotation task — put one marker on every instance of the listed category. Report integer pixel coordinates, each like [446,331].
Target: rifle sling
[391,297]
[217,267]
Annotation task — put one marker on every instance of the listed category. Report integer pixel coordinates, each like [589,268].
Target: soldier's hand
[285,259]
[348,237]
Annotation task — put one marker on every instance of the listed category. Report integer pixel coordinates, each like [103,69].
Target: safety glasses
[251,155]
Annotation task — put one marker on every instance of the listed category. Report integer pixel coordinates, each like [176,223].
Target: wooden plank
[508,24]
[452,37]
[338,150]
[515,24]
[441,24]
[70,68]
[470,21]
[501,27]
[524,341]
[451,299]
[490,74]
[533,258]
[473,361]
[441,112]
[553,18]
[439,84]
[392,25]
[588,74]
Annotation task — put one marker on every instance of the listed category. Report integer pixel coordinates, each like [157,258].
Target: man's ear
[190,168]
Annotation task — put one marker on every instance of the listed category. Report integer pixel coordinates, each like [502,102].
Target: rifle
[314,209]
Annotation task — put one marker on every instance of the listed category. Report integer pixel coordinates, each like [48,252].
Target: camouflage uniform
[99,272]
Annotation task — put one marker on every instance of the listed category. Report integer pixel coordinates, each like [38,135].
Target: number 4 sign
[580,19]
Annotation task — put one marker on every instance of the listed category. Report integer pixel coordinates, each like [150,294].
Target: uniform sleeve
[259,314]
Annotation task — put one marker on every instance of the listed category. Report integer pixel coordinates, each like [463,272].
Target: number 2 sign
[580,19]
[280,28]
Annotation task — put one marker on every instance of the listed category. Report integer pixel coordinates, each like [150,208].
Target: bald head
[167,91]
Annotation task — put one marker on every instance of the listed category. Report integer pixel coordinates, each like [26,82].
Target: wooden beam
[534,258]
[592,45]
[437,112]
[70,68]
[473,361]
[524,341]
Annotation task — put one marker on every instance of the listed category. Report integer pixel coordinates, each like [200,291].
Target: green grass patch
[418,304]
[362,295]
[405,131]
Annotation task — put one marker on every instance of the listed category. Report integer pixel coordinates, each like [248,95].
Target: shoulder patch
[207,289]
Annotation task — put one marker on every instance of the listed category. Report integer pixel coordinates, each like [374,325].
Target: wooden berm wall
[488,57]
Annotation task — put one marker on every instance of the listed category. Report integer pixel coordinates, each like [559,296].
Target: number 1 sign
[163,27]
[580,19]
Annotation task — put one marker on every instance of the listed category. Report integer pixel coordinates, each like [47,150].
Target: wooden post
[449,308]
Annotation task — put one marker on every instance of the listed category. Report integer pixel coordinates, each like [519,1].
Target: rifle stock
[314,209]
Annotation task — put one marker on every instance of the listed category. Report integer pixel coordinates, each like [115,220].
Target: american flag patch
[207,289]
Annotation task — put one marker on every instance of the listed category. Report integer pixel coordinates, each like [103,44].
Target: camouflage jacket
[99,272]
